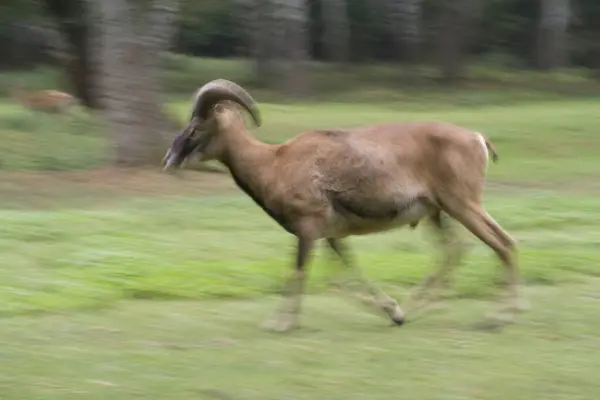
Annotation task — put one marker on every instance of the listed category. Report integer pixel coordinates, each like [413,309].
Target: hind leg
[509,241]
[512,278]
[453,250]
[476,220]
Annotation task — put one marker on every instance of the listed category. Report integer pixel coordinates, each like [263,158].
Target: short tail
[491,149]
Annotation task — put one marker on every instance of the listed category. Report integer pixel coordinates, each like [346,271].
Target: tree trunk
[552,32]
[337,30]
[264,45]
[73,21]
[291,17]
[450,41]
[134,34]
[244,14]
[456,22]
[405,17]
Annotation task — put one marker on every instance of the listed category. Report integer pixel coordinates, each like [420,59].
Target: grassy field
[141,285]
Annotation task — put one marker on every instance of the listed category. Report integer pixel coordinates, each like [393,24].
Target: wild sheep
[336,183]
[49,101]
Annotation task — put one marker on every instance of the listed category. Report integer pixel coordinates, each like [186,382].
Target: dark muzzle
[172,161]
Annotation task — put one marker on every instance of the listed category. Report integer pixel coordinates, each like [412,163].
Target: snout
[166,161]
[170,161]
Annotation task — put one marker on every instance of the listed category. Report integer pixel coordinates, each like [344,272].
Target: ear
[219,108]
[223,115]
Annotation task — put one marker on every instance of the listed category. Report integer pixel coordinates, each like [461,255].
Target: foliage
[510,27]
[586,49]
[213,28]
[21,42]
[209,28]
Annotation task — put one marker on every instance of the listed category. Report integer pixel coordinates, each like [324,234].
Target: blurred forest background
[121,55]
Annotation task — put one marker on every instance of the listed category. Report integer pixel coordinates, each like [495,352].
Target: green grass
[139,285]
[196,247]
[214,350]
[39,141]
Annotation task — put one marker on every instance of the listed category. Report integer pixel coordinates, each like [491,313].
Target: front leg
[287,317]
[375,297]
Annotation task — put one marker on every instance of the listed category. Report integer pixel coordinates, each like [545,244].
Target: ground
[214,350]
[135,284]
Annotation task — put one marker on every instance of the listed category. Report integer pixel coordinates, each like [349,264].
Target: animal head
[216,111]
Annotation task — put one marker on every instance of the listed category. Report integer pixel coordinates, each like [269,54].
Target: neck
[250,163]
[246,156]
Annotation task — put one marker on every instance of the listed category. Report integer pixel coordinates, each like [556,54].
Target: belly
[342,225]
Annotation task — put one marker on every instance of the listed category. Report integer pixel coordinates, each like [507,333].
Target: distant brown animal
[48,101]
[336,183]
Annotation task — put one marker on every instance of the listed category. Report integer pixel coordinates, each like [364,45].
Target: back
[393,161]
[361,155]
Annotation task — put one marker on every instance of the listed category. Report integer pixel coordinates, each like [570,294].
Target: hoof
[396,315]
[280,325]
[522,305]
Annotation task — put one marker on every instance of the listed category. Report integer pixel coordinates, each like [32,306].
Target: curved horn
[221,89]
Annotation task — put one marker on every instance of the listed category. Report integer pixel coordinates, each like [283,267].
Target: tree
[405,17]
[552,33]
[112,61]
[133,36]
[456,22]
[264,45]
[292,44]
[255,17]
[336,30]
[73,21]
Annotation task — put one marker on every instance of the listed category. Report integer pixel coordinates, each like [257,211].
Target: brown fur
[337,183]
[358,178]
[49,101]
